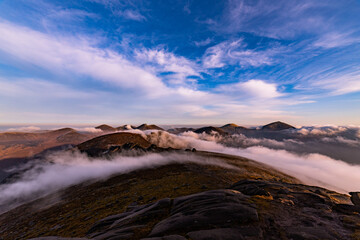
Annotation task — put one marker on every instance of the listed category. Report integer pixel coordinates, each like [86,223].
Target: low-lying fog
[327,157]
[311,168]
[66,168]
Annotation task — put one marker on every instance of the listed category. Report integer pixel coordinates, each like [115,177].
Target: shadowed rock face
[355,198]
[3,175]
[277,126]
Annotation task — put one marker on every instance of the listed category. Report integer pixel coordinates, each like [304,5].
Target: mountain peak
[105,128]
[230,125]
[277,126]
[210,130]
[149,127]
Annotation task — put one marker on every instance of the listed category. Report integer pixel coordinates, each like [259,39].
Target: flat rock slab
[210,209]
[202,211]
[123,226]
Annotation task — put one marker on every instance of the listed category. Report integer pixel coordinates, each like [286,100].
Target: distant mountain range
[25,144]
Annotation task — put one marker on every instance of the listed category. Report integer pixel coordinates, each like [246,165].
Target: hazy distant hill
[19,144]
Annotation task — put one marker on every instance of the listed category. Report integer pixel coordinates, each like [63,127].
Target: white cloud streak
[56,54]
[24,129]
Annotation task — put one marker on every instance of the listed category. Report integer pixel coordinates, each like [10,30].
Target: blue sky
[180,62]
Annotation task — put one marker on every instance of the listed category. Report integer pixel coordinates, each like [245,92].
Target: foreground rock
[221,209]
[249,209]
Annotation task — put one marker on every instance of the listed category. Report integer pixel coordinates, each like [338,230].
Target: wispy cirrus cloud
[235,52]
[339,85]
[336,39]
[204,42]
[131,15]
[127,9]
[177,69]
[284,19]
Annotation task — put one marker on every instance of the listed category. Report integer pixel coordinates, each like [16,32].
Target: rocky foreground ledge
[249,209]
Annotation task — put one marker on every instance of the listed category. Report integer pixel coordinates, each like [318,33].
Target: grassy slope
[78,207]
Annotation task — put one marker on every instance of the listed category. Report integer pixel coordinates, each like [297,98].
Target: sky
[180,62]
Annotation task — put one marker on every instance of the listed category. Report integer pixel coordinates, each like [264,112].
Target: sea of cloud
[63,169]
[66,168]
[311,168]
